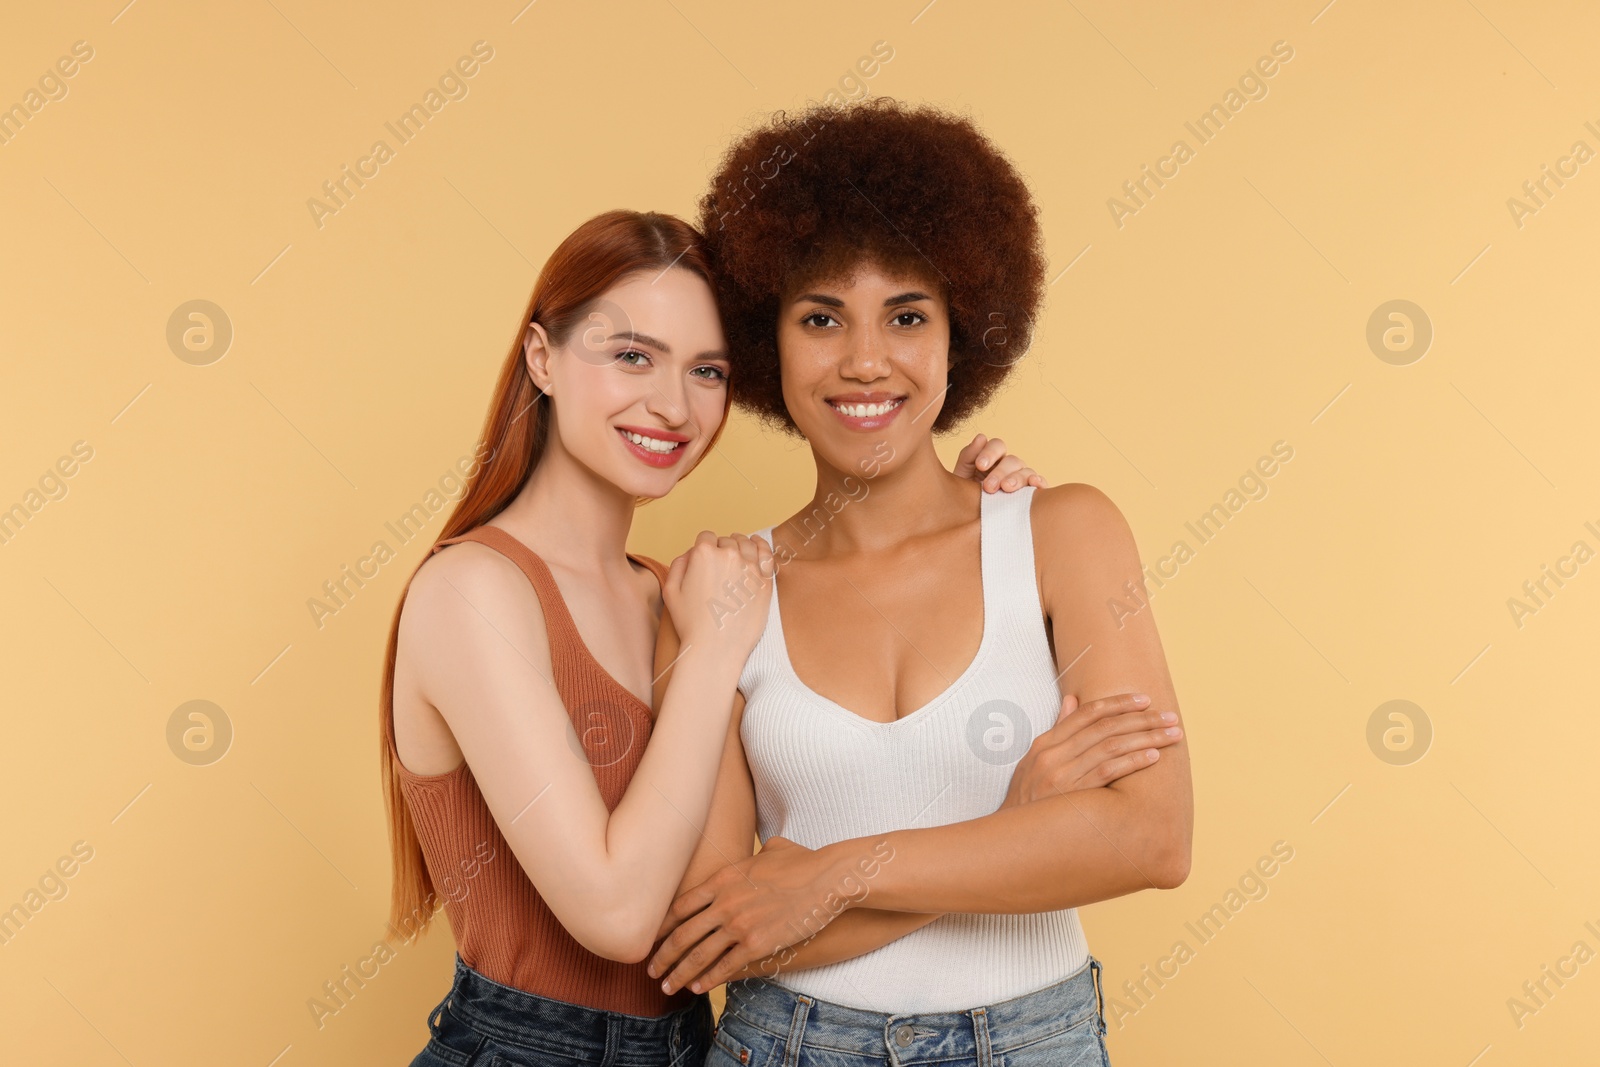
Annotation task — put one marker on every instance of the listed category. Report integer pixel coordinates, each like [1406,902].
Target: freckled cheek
[923,360]
[808,367]
[802,396]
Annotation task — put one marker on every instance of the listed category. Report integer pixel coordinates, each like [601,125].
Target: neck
[570,515]
[850,512]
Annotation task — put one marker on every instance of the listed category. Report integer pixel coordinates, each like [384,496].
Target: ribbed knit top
[503,928]
[822,774]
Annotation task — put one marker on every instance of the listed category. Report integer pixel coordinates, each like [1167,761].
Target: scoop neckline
[577,634]
[583,647]
[944,696]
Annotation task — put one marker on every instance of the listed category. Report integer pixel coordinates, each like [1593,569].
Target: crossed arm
[730,836]
[740,913]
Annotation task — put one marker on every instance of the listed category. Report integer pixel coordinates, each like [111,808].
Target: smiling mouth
[654,451]
[652,444]
[867,411]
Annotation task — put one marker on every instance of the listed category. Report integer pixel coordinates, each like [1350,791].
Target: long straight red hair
[594,258]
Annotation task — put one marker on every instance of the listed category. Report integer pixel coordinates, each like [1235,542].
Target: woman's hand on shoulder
[718,592]
[986,460]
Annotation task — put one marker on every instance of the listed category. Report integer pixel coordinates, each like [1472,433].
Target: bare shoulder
[1084,551]
[461,595]
[1079,519]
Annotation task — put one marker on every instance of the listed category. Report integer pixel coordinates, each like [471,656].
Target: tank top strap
[657,568]
[558,621]
[562,629]
[1010,589]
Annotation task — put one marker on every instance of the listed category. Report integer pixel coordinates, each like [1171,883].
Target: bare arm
[1059,851]
[730,835]
[473,629]
[1102,843]
[1089,747]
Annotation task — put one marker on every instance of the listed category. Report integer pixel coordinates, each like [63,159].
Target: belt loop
[797,1030]
[1099,999]
[436,1016]
[674,1035]
[983,1044]
[613,1039]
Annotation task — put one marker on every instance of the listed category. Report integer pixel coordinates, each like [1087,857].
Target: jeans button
[902,1035]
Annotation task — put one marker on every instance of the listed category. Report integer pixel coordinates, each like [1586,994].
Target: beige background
[1228,313]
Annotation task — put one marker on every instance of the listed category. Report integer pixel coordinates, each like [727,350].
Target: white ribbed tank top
[822,774]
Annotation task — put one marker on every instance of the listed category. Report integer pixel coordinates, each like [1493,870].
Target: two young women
[914,604]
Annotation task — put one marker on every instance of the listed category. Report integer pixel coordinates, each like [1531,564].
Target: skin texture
[473,663]
[909,549]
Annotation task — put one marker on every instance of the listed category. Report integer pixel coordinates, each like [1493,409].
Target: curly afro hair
[808,197]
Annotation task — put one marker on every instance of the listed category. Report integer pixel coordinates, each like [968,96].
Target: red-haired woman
[535,775]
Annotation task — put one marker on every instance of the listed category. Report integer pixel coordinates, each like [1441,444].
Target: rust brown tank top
[503,928]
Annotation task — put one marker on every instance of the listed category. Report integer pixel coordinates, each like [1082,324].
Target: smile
[658,448]
[866,412]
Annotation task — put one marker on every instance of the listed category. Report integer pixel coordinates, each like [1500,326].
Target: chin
[857,454]
[650,486]
[640,480]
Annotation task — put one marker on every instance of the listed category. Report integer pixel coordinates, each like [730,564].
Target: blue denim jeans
[766,1025]
[481,1023]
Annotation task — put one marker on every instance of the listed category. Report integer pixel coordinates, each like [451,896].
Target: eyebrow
[835,302]
[646,339]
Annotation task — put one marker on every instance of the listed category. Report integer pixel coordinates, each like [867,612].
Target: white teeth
[654,444]
[867,411]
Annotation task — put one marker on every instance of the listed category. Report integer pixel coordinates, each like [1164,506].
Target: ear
[536,353]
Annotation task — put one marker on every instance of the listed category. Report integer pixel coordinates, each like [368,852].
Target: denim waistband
[799,1019]
[514,1017]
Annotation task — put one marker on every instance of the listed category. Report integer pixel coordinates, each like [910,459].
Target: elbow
[622,933]
[630,950]
[1170,867]
[608,945]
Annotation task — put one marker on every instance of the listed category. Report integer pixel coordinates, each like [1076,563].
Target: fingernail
[651,970]
[1140,698]
[694,987]
[1172,731]
[666,987]
[1151,753]
[1166,716]
[1011,483]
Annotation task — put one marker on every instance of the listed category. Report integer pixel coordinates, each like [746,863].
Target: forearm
[654,829]
[1057,852]
[855,933]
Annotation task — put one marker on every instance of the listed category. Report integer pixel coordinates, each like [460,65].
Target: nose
[866,355]
[668,401]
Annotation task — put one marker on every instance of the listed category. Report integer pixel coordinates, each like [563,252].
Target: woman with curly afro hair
[958,725]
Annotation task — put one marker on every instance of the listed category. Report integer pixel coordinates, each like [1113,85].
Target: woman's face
[864,362]
[641,385]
